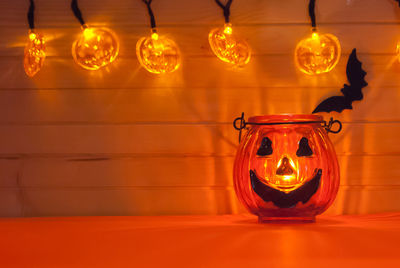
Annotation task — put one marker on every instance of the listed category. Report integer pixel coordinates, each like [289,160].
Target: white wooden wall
[122,141]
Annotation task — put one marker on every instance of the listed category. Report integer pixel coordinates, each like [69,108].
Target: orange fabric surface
[199,241]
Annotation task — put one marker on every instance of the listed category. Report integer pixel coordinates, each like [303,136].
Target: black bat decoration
[355,76]
[398,2]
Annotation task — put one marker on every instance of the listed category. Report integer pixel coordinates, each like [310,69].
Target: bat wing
[336,103]
[355,76]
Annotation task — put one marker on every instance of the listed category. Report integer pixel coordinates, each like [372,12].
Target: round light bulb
[317,54]
[228,47]
[158,54]
[34,53]
[95,48]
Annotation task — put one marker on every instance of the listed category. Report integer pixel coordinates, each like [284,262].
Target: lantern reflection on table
[286,167]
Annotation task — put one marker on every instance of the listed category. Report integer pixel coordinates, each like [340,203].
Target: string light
[34,53]
[95,47]
[318,53]
[157,54]
[225,44]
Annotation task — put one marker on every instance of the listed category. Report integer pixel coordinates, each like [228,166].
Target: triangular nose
[285,168]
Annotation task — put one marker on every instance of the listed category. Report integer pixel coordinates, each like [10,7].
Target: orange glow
[34,54]
[158,54]
[95,48]
[228,29]
[286,177]
[228,47]
[317,54]
[398,51]
[154,36]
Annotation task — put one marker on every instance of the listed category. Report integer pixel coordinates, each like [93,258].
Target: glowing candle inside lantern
[317,54]
[158,54]
[286,172]
[34,53]
[228,47]
[95,48]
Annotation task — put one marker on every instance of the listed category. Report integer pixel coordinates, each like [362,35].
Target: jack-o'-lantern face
[286,170]
[285,161]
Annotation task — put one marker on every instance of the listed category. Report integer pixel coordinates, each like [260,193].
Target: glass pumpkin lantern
[286,167]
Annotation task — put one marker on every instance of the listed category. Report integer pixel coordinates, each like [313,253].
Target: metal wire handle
[327,125]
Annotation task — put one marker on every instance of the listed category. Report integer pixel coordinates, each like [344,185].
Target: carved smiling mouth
[286,199]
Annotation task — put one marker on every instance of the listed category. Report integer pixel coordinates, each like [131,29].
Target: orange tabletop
[199,241]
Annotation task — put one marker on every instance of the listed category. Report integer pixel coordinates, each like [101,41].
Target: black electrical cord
[77,11]
[311,13]
[151,14]
[226,8]
[31,15]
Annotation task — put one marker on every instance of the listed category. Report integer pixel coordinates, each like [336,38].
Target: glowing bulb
[227,47]
[228,30]
[34,54]
[158,54]
[317,54]
[95,48]
[154,36]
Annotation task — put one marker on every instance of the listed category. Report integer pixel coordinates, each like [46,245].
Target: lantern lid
[280,118]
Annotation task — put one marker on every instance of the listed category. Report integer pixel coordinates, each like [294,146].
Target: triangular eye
[265,147]
[304,148]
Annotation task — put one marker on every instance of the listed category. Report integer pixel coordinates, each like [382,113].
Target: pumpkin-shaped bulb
[95,48]
[317,54]
[34,53]
[158,54]
[228,47]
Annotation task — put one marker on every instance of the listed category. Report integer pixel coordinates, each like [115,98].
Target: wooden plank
[118,106]
[192,172]
[199,12]
[193,41]
[262,71]
[366,200]
[184,139]
[10,172]
[10,202]
[128,172]
[80,202]
[66,202]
